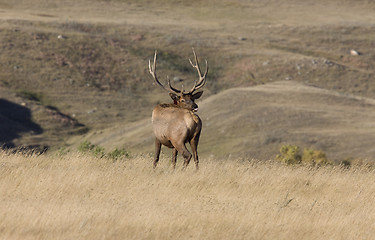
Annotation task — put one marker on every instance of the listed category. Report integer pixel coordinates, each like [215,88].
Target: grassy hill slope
[254,122]
[87,60]
[250,121]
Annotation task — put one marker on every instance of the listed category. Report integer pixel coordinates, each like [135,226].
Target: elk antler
[153,73]
[174,89]
[202,79]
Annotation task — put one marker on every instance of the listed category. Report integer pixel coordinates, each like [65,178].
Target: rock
[354,52]
[61,37]
[177,79]
[328,62]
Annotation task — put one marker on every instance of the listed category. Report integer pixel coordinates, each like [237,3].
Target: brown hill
[86,61]
[254,122]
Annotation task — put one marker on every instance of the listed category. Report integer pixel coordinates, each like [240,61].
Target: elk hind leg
[181,148]
[157,152]
[194,149]
[174,158]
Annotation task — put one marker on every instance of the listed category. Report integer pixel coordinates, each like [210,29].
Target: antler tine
[202,79]
[152,70]
[174,89]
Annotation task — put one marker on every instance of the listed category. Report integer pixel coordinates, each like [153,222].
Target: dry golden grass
[80,197]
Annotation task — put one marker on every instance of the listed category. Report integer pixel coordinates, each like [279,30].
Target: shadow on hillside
[14,120]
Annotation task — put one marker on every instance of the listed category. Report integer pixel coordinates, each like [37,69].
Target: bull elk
[176,124]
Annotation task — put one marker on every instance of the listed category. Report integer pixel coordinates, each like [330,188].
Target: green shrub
[62,151]
[99,151]
[34,96]
[117,154]
[314,157]
[30,95]
[86,146]
[289,154]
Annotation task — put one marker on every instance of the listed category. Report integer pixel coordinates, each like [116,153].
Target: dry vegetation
[82,197]
[295,83]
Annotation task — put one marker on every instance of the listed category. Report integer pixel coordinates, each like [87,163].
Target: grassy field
[81,197]
[280,73]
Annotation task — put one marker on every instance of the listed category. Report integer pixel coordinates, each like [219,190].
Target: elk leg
[181,148]
[174,158]
[194,147]
[157,152]
[187,157]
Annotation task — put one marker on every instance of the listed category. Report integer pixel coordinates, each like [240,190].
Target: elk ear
[197,95]
[174,97]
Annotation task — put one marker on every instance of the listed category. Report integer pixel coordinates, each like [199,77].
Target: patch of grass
[99,151]
[87,146]
[294,50]
[165,58]
[175,62]
[38,97]
[29,95]
[62,151]
[117,154]
[82,27]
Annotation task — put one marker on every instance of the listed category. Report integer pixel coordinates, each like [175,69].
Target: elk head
[181,98]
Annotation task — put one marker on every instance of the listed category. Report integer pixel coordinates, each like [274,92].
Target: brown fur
[174,126]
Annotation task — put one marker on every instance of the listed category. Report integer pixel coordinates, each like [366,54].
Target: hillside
[85,63]
[254,122]
[250,121]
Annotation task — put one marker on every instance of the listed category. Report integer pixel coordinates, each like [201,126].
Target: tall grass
[81,197]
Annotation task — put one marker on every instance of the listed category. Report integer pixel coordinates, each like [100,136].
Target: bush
[315,157]
[62,151]
[99,151]
[117,154]
[86,146]
[289,154]
[30,95]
